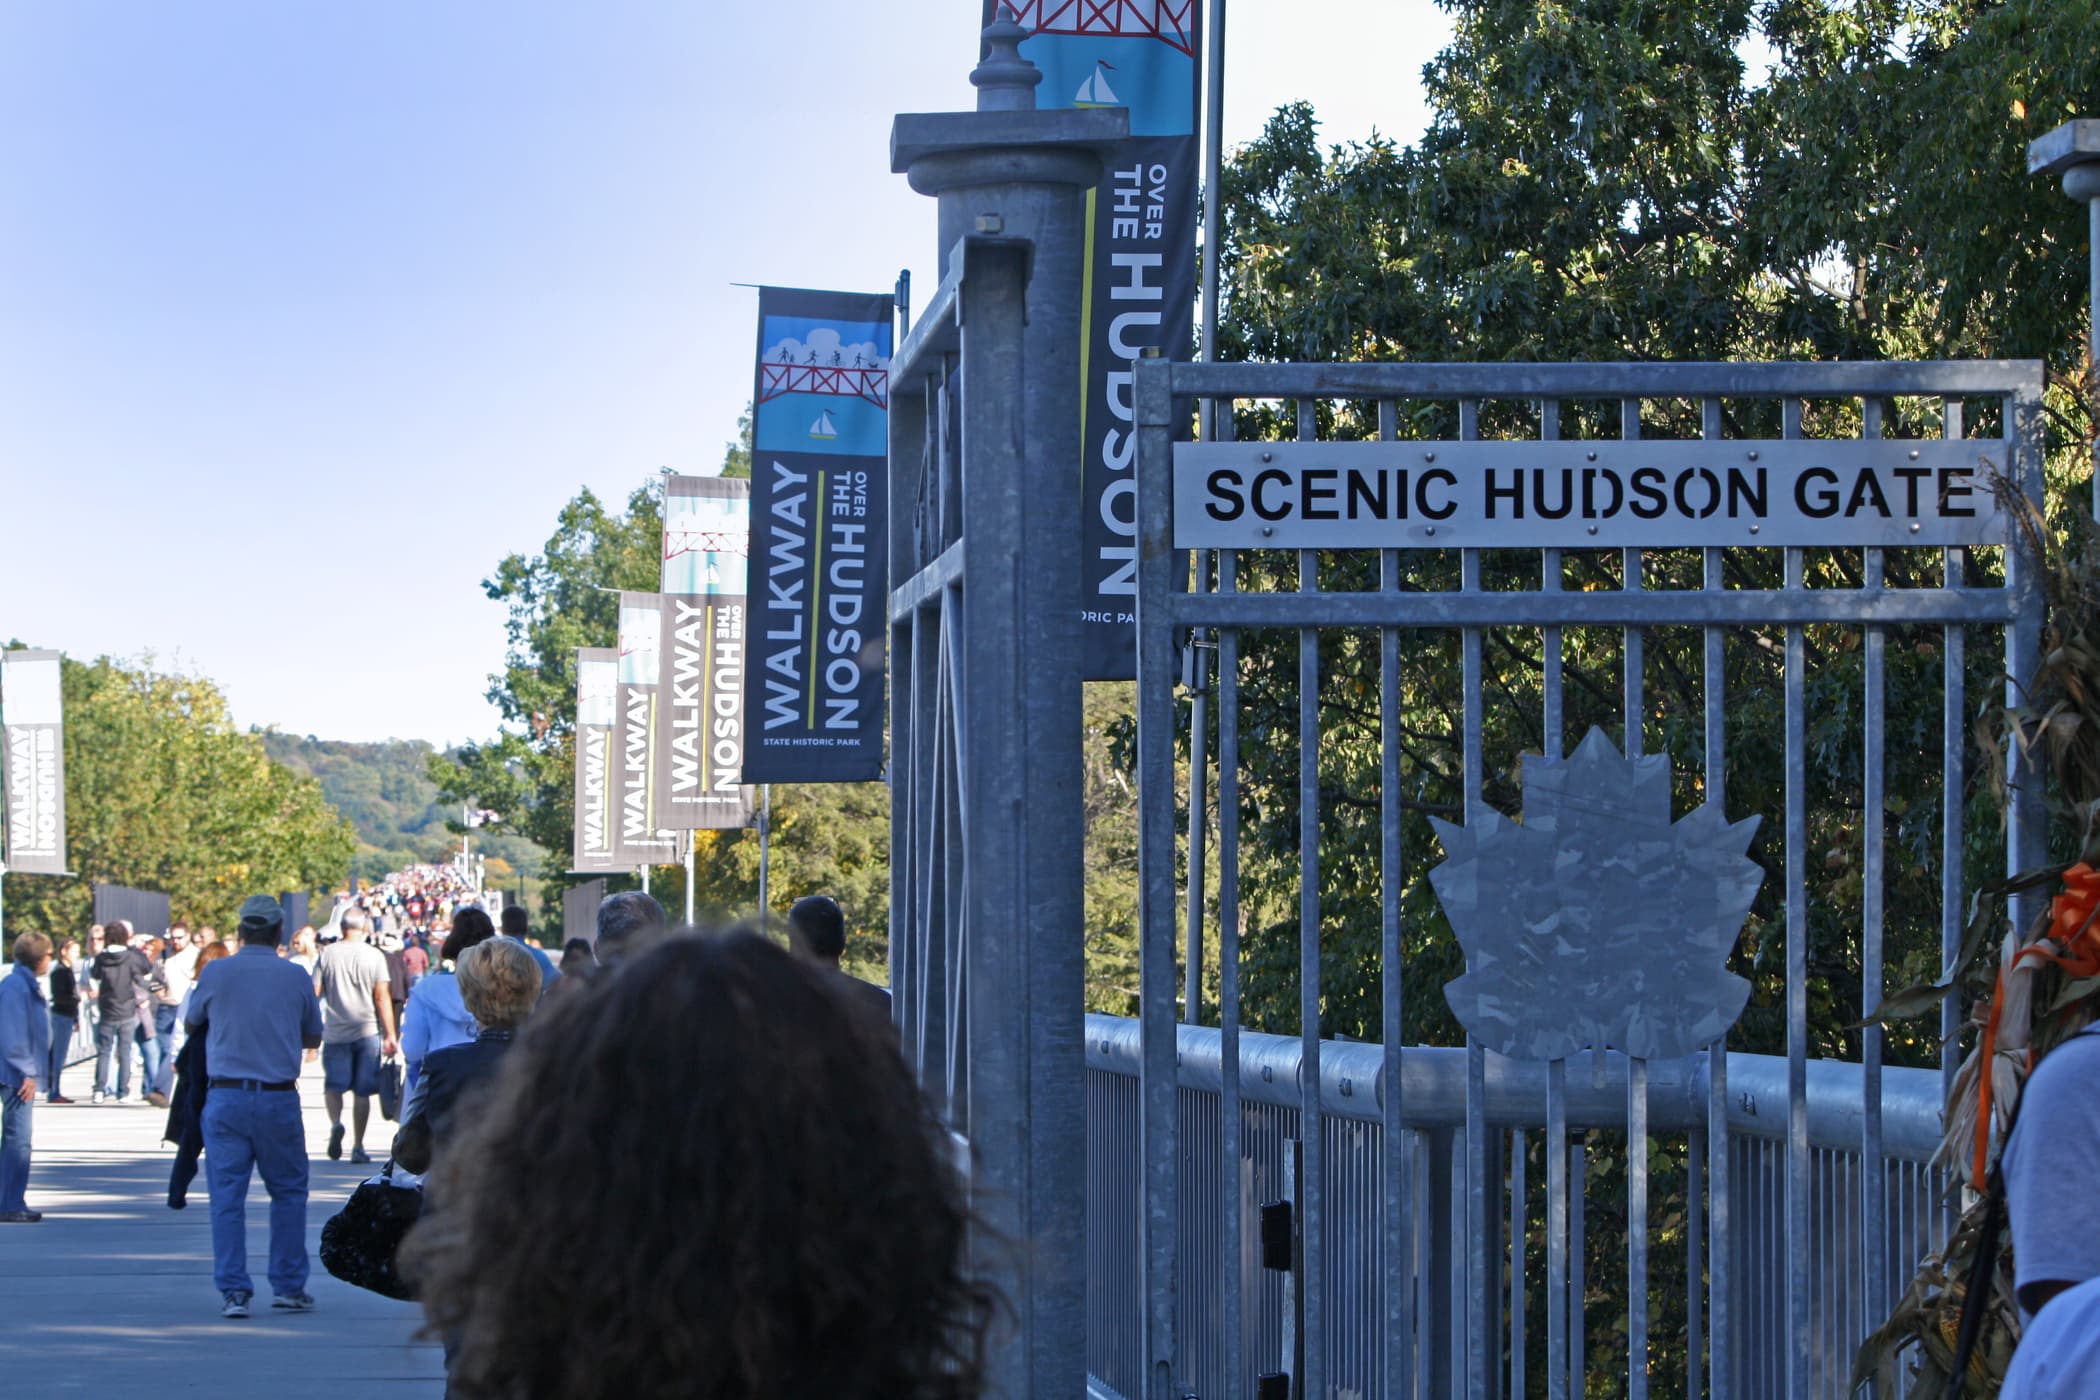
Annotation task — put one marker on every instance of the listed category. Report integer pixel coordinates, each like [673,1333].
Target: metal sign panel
[1571,494]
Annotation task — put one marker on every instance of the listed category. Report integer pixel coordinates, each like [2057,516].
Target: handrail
[1433,1085]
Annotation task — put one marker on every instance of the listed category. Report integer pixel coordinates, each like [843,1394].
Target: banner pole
[765,851]
[645,879]
[691,839]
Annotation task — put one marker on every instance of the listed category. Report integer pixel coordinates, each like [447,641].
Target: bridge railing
[1352,1092]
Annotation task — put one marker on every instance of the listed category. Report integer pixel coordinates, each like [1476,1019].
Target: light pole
[2072,151]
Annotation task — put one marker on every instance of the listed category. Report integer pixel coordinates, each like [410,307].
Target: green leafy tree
[164,793]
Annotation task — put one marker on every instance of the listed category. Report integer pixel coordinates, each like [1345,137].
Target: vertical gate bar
[1479,1223]
[1797,1199]
[1632,581]
[2026,830]
[1637,1229]
[1519,1222]
[1873,1182]
[907,449]
[1231,1118]
[1718,1292]
[1954,656]
[1578,1189]
[1160,573]
[1311,1115]
[1694,1263]
[1554,725]
[1557,1230]
[1229,1114]
[1199,794]
[1396,1256]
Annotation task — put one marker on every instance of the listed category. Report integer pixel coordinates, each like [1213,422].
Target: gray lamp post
[2073,152]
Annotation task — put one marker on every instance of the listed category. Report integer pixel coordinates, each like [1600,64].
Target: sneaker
[58,1098]
[21,1217]
[236,1305]
[96,1097]
[335,1143]
[157,1099]
[358,1154]
[293,1302]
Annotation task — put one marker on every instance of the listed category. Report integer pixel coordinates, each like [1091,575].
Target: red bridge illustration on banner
[736,543]
[1170,21]
[845,381]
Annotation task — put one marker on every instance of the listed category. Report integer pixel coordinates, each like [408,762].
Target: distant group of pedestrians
[686,1162]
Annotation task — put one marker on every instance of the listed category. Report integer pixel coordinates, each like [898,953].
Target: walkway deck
[112,1293]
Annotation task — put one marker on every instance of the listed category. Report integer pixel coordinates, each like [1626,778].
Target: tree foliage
[164,793]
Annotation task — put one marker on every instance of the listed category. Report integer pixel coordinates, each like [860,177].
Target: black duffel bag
[360,1241]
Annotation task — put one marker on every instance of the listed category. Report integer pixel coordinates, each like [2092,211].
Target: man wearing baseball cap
[258,1013]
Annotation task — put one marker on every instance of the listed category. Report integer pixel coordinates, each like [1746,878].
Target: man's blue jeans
[113,1041]
[163,1078]
[14,1148]
[149,1054]
[259,1129]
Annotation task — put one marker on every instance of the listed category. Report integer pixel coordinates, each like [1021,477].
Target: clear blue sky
[310,312]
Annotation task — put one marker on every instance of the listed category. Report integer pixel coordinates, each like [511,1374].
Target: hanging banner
[636,839]
[597,685]
[33,762]
[700,722]
[819,542]
[1140,278]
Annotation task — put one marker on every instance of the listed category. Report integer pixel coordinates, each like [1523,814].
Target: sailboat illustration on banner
[824,430]
[1095,91]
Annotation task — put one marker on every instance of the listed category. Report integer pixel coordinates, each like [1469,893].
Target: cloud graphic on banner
[826,348]
[1597,922]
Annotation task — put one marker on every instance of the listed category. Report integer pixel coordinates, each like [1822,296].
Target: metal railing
[1353,1098]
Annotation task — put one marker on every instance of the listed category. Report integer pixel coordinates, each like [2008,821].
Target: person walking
[437,1014]
[63,989]
[185,1127]
[25,1050]
[358,1029]
[817,934]
[518,929]
[257,1013]
[120,973]
[177,968]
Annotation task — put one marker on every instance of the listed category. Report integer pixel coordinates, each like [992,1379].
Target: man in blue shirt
[258,1013]
[25,1046]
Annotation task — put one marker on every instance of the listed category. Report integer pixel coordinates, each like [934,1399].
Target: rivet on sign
[1268,529]
[1593,529]
[1429,456]
[1753,529]
[1348,1088]
[1914,527]
[1430,531]
[1268,456]
[1753,456]
[1914,454]
[1592,456]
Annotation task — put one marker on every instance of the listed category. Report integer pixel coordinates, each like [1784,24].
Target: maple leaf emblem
[1597,922]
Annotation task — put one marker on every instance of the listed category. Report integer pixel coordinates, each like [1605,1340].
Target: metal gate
[1431,1300]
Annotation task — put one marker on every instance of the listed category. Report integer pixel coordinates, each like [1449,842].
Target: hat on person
[260,911]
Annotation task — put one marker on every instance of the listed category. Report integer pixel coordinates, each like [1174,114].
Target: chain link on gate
[1411,1212]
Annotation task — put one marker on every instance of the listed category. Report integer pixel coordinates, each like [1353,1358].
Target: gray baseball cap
[261,911]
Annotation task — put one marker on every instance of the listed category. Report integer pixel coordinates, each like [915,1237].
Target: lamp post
[2072,152]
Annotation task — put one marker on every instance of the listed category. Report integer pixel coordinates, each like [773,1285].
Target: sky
[312,312]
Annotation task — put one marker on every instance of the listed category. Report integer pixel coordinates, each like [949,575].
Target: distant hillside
[385,792]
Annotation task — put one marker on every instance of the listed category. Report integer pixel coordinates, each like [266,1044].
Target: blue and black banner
[819,537]
[1140,279]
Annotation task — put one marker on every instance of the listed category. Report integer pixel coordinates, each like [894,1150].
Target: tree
[164,793]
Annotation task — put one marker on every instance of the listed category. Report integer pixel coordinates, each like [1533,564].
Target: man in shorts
[357,1028]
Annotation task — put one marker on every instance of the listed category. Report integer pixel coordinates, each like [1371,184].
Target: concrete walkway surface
[111,1295]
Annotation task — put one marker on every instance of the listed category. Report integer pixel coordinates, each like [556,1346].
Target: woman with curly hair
[703,1179]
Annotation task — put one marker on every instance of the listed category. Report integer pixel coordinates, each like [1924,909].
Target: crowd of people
[735,1239]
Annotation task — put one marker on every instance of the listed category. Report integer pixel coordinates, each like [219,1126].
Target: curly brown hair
[705,1177]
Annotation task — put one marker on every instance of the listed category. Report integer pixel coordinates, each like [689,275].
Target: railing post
[1009,180]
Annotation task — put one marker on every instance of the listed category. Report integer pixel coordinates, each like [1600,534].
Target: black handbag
[390,1090]
[359,1242]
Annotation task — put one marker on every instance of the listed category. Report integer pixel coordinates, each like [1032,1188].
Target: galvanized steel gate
[1437,1231]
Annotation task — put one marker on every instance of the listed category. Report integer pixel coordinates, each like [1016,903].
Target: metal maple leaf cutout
[1597,922]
